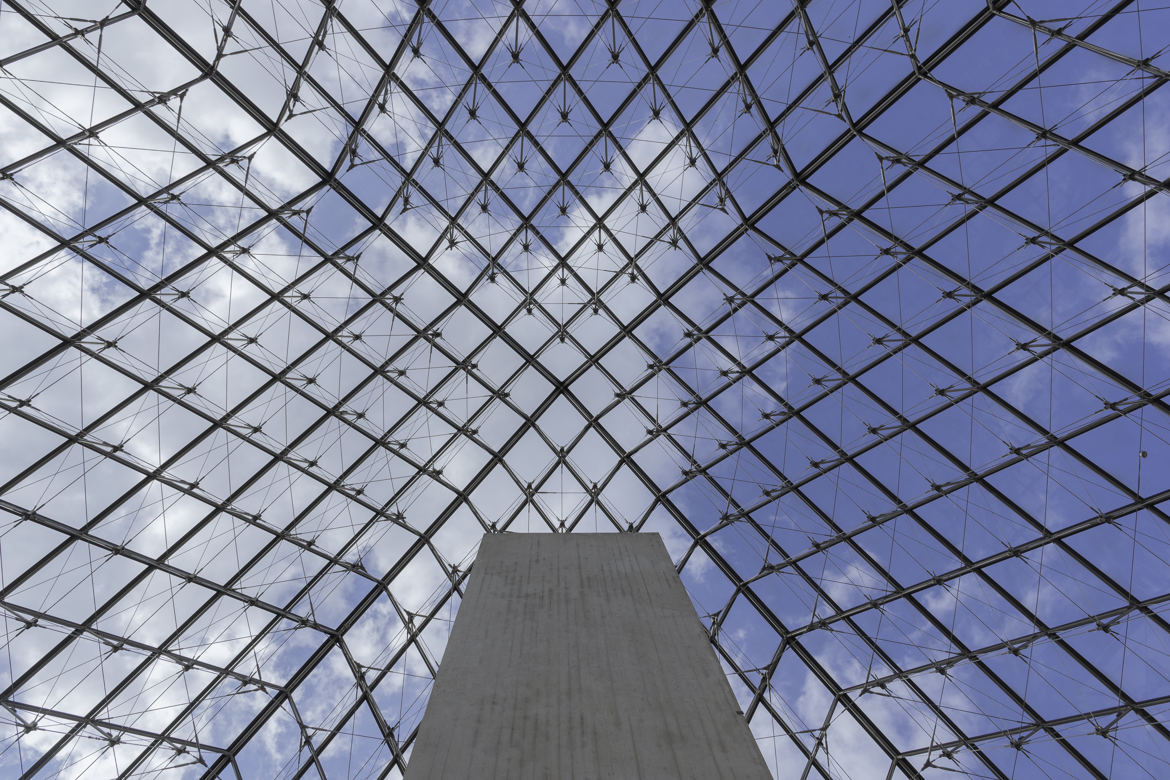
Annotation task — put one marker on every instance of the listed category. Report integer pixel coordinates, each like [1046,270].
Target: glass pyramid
[861,305]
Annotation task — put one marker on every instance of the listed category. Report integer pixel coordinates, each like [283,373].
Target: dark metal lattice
[862,305]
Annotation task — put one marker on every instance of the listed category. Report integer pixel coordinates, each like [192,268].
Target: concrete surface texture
[580,656]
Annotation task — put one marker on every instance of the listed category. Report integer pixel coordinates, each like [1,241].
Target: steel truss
[889,336]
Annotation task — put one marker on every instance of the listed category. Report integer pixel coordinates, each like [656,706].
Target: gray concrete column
[580,656]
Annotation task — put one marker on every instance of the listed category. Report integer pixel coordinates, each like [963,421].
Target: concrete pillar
[580,656]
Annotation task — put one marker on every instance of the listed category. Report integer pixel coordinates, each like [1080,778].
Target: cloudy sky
[861,305]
